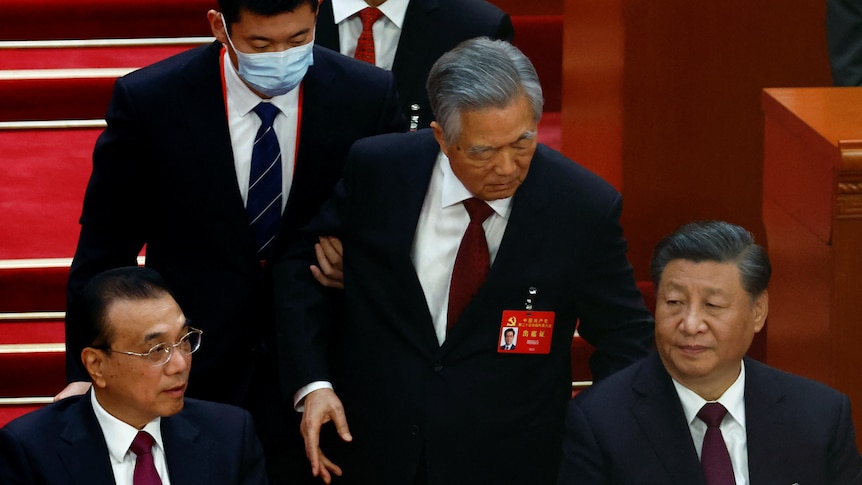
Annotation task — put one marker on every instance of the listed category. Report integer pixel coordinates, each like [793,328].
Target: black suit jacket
[431,28]
[163,176]
[631,429]
[412,403]
[205,443]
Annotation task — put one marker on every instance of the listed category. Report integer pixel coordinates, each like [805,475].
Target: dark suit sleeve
[14,469]
[305,311]
[844,455]
[112,225]
[614,318]
[844,35]
[582,458]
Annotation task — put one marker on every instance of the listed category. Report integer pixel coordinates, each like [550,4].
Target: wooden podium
[812,212]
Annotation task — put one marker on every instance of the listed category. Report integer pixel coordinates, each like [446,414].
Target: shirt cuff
[299,397]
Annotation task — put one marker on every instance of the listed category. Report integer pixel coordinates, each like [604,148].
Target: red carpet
[44,174]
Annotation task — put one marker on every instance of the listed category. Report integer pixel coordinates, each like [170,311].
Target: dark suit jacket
[431,28]
[411,402]
[163,176]
[631,429]
[844,33]
[205,443]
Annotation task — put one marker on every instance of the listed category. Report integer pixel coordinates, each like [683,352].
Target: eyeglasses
[160,354]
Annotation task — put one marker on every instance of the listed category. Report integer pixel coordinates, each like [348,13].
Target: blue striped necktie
[264,187]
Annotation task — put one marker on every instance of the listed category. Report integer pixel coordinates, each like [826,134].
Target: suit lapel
[206,122]
[660,417]
[182,446]
[413,185]
[765,423]
[83,450]
[529,203]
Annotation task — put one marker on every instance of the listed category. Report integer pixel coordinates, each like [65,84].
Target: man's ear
[93,360]
[438,135]
[217,26]
[760,311]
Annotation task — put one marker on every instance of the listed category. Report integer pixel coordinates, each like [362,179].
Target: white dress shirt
[386,31]
[119,436]
[442,223]
[244,123]
[732,428]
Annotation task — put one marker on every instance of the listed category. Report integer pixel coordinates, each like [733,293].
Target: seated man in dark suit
[406,37]
[648,423]
[134,423]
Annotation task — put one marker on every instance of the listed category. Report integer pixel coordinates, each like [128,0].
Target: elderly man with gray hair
[451,236]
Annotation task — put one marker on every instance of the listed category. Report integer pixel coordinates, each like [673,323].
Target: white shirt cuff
[299,397]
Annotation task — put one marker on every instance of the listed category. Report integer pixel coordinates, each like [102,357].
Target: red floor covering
[87,57]
[43,175]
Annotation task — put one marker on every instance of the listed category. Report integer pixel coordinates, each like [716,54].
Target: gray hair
[716,241]
[480,73]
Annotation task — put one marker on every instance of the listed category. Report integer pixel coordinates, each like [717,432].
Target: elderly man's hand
[321,407]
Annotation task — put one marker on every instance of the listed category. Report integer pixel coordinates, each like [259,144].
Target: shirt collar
[242,100]
[454,191]
[394,10]
[733,399]
[119,435]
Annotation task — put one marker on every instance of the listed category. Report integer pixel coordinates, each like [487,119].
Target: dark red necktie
[365,45]
[471,263]
[145,466]
[714,458]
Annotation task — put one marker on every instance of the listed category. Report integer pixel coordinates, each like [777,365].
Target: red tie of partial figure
[365,45]
[145,467]
[714,458]
[471,263]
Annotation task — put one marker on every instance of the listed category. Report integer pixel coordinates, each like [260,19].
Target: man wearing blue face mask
[212,159]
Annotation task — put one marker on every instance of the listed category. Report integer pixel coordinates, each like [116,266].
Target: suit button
[438,366]
[414,430]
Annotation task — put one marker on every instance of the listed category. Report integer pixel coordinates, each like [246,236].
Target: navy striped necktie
[264,186]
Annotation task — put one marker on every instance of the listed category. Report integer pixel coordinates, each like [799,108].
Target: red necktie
[714,458]
[471,263]
[365,45]
[145,467]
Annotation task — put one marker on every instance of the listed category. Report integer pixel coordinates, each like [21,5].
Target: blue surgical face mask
[273,73]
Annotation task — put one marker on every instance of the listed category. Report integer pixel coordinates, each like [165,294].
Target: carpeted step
[15,407]
[31,286]
[71,82]
[32,369]
[99,19]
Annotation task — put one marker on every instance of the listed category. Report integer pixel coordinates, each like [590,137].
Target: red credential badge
[525,332]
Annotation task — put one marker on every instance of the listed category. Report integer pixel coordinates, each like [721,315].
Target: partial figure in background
[844,36]
[406,37]
[134,423]
[212,159]
[698,411]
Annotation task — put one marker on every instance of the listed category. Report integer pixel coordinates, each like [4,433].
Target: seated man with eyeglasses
[134,426]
